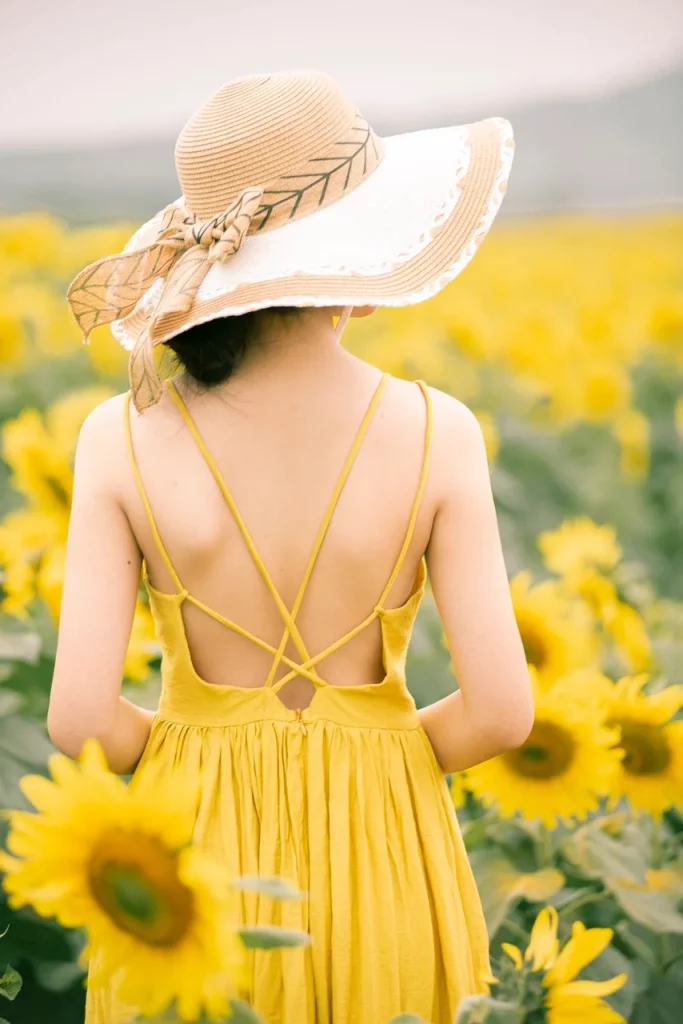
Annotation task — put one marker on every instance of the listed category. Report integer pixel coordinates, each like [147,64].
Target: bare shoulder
[100,450]
[449,415]
[103,422]
[458,459]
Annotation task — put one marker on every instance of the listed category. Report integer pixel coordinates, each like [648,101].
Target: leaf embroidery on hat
[320,179]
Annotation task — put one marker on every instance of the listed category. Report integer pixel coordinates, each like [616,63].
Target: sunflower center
[547,753]
[534,647]
[134,879]
[646,746]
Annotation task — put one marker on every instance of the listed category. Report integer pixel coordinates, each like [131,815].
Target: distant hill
[620,151]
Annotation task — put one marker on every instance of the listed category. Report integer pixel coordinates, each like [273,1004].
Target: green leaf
[242,1013]
[501,885]
[10,983]
[476,832]
[9,702]
[600,856]
[57,977]
[654,910]
[168,1015]
[407,1018]
[485,1010]
[24,748]
[661,1004]
[278,888]
[19,645]
[272,937]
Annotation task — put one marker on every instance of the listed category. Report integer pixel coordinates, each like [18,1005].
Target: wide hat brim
[398,238]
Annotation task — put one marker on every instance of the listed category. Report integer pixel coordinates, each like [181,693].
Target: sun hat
[291,199]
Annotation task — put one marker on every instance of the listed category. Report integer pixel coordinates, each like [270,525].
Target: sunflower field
[565,337]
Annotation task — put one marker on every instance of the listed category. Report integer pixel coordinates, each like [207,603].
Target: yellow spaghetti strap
[327,518]
[253,551]
[418,496]
[145,501]
[300,670]
[312,662]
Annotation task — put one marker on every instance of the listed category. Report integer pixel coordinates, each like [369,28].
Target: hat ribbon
[182,253]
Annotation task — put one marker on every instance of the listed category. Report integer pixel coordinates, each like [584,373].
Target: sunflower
[117,861]
[578,546]
[599,593]
[651,773]
[557,632]
[458,789]
[629,634]
[39,470]
[632,430]
[564,999]
[566,764]
[490,433]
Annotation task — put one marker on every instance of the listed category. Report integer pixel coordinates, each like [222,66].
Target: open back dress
[345,799]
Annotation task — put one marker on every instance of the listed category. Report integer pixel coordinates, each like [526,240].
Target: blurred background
[95,98]
[565,336]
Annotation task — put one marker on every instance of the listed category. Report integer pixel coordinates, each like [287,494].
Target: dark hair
[210,352]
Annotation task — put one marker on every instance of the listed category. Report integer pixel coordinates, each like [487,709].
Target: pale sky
[77,71]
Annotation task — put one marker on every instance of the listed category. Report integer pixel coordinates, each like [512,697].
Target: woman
[285,499]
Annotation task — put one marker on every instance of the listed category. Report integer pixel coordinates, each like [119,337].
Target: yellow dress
[345,799]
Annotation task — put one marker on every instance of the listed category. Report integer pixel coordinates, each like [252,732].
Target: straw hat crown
[281,132]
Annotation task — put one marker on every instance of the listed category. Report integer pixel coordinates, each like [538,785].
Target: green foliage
[272,937]
[407,1018]
[501,886]
[241,1013]
[276,888]
[10,983]
[485,1010]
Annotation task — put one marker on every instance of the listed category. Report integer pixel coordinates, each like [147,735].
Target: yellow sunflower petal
[595,989]
[584,946]
[567,763]
[543,943]
[115,861]
[514,953]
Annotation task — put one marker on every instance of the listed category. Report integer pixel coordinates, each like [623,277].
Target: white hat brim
[399,237]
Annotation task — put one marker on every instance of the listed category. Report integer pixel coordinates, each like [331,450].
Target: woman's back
[280,433]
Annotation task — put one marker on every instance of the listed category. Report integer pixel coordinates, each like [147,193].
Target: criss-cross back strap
[307,667]
[310,664]
[327,518]
[291,628]
[251,547]
[182,591]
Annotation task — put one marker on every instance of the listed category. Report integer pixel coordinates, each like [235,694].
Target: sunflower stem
[668,964]
[663,953]
[593,896]
[656,841]
[636,944]
[545,848]
[516,929]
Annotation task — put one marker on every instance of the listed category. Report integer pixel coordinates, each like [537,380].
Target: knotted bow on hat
[184,249]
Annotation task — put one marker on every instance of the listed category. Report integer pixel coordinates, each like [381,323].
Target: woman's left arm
[98,604]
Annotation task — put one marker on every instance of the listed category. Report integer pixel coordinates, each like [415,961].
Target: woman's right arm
[493,709]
